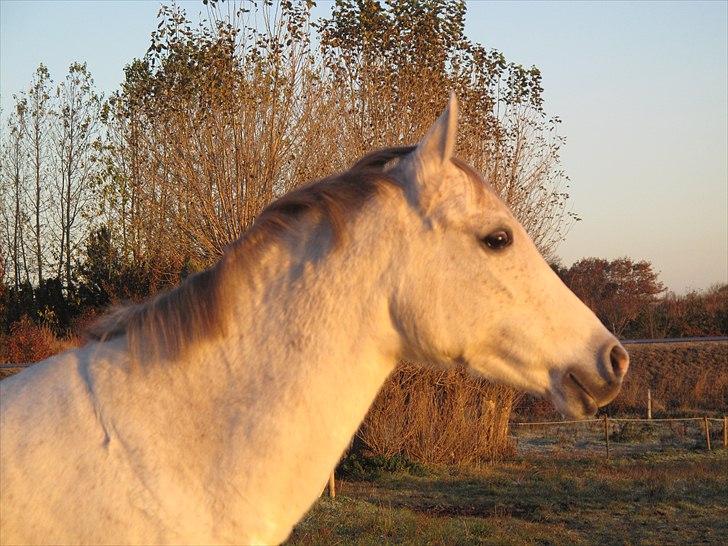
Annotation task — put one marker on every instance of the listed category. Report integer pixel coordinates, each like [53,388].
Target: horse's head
[476,291]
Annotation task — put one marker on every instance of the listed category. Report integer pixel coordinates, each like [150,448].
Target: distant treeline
[630,300]
[625,295]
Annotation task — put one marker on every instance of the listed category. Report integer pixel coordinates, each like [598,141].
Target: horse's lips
[589,403]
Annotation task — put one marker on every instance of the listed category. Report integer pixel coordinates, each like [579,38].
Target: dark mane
[333,199]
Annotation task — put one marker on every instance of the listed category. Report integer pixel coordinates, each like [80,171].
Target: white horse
[214,413]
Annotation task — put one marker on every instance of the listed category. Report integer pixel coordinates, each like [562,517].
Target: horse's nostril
[620,360]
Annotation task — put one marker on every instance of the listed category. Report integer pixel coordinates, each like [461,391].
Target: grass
[626,439]
[672,497]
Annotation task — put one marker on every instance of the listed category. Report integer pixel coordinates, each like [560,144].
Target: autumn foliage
[29,342]
[629,299]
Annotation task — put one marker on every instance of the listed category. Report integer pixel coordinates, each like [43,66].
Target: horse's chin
[576,412]
[572,401]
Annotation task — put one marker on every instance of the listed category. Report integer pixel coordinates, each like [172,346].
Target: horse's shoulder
[43,375]
[51,392]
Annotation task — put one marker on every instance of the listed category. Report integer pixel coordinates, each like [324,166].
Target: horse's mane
[198,309]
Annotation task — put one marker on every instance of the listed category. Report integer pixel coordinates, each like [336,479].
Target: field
[682,376]
[668,497]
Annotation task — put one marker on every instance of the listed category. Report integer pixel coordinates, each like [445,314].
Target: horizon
[644,109]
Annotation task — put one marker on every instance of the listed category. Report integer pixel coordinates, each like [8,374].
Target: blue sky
[642,89]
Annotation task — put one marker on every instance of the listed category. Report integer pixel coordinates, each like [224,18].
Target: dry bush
[29,342]
[438,416]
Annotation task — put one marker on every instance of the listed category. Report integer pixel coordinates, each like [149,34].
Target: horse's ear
[424,166]
[437,146]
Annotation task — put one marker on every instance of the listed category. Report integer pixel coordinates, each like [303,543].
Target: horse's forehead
[470,192]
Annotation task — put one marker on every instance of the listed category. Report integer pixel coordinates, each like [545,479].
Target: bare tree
[524,167]
[13,183]
[75,132]
[396,61]
[214,124]
[35,125]
[124,159]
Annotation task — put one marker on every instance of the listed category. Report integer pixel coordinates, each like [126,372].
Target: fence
[606,420]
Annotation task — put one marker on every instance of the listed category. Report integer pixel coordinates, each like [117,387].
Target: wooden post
[725,431]
[606,434]
[707,432]
[332,485]
[649,404]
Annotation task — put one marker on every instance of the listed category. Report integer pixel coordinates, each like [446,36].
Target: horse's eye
[498,239]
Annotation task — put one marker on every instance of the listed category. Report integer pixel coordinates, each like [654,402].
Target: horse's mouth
[578,390]
[586,397]
[579,400]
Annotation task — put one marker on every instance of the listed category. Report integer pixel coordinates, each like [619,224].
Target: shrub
[29,342]
[358,467]
[438,416]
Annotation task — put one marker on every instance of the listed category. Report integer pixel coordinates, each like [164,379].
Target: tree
[213,124]
[217,120]
[395,62]
[615,290]
[100,270]
[75,134]
[13,174]
[35,127]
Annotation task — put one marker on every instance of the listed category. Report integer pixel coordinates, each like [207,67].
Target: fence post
[707,432]
[332,485]
[725,431]
[649,404]
[606,434]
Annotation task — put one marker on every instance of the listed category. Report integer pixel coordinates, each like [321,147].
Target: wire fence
[610,436]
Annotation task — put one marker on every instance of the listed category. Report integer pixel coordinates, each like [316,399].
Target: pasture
[669,497]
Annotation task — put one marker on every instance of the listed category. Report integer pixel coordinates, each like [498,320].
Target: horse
[214,413]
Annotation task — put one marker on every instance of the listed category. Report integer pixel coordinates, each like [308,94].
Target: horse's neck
[315,347]
[281,396]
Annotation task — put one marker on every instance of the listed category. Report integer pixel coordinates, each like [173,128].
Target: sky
[641,87]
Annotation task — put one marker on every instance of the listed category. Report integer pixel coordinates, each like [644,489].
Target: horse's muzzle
[585,392]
